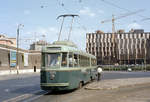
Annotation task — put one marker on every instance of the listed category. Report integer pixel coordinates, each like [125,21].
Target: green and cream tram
[64,67]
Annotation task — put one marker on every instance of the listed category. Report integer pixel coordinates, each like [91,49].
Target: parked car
[129,69]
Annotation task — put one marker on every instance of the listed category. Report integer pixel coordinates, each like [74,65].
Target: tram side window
[75,60]
[88,61]
[83,61]
[70,60]
[64,60]
[93,62]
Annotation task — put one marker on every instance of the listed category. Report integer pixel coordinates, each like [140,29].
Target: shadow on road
[60,92]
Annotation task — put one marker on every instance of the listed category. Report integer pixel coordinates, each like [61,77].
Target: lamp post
[145,52]
[17,61]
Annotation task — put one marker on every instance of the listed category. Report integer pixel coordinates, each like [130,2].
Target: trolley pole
[61,29]
[17,61]
[66,15]
[70,28]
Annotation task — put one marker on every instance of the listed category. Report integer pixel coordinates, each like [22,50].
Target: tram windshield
[52,59]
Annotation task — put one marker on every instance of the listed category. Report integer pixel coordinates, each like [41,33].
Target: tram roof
[66,43]
[65,46]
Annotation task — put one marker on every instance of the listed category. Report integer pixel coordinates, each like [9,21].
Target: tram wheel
[80,85]
[91,79]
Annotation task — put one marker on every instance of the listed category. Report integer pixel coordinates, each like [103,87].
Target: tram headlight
[52,75]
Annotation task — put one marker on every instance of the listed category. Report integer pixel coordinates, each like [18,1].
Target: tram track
[27,97]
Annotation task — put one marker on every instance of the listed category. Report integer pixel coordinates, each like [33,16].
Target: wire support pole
[17,55]
[17,66]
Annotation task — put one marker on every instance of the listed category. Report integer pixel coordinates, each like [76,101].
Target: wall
[34,58]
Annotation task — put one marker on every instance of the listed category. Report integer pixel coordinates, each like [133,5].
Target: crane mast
[113,29]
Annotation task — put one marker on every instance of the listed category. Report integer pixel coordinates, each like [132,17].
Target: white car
[129,69]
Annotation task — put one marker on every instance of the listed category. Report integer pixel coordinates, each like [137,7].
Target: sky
[39,18]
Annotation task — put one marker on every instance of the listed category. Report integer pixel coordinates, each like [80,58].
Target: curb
[22,71]
[112,88]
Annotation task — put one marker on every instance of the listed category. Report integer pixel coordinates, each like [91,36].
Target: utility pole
[18,31]
[145,52]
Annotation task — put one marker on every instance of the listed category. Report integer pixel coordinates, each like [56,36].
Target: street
[127,94]
[26,87]
[16,85]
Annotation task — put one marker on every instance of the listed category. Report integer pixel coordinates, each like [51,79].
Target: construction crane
[145,19]
[119,17]
[113,28]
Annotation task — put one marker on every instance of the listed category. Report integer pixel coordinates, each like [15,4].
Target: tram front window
[52,59]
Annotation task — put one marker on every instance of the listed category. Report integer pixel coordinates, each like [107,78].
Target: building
[132,47]
[28,60]
[38,45]
[7,41]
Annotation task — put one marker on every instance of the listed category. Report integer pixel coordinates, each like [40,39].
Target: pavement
[117,83]
[26,87]
[15,87]
[20,75]
[21,71]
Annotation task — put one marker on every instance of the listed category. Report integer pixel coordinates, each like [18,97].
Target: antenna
[66,15]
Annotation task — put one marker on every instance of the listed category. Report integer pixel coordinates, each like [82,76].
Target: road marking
[31,99]
[21,97]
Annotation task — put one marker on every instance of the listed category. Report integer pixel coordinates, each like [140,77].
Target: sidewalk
[21,71]
[18,76]
[116,83]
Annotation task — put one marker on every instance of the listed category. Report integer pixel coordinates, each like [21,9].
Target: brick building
[131,47]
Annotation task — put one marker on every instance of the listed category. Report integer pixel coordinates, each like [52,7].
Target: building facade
[7,41]
[38,45]
[119,48]
[27,59]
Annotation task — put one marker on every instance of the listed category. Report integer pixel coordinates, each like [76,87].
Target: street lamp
[18,31]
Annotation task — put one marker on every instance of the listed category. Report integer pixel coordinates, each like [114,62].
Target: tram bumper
[54,86]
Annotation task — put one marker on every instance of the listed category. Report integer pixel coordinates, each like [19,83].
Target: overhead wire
[63,6]
[121,8]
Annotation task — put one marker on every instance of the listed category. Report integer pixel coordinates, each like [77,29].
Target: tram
[64,67]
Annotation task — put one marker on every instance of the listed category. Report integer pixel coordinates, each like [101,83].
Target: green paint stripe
[54,84]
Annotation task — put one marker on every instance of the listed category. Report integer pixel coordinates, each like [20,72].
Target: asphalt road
[26,87]
[13,86]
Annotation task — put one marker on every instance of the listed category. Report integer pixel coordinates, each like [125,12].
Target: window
[93,62]
[70,60]
[64,60]
[75,60]
[52,59]
[22,58]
